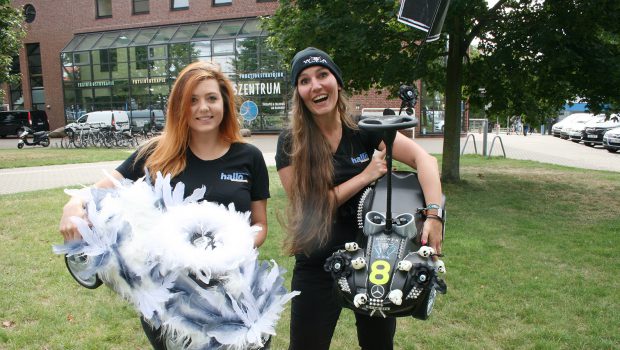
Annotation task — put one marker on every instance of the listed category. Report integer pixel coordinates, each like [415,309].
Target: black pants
[158,342]
[315,312]
[154,335]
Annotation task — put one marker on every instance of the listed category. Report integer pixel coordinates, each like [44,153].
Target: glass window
[158,51]
[140,96]
[102,99]
[247,55]
[144,37]
[84,100]
[226,63]
[121,71]
[140,6]
[223,47]
[81,58]
[84,73]
[158,68]
[88,42]
[179,4]
[201,48]
[138,57]
[164,35]
[229,29]
[125,38]
[120,95]
[185,33]
[159,96]
[99,72]
[68,73]
[221,2]
[251,28]
[206,30]
[104,8]
[73,43]
[121,54]
[106,40]
[107,59]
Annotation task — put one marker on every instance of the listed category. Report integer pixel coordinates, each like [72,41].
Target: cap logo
[314,59]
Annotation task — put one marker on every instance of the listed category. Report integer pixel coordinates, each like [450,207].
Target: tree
[517,62]
[11,34]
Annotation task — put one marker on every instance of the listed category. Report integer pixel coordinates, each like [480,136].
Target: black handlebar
[387,123]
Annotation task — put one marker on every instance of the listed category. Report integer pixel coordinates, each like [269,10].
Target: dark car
[11,122]
[147,120]
[594,133]
[160,120]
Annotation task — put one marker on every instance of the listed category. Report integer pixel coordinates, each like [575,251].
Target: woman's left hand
[431,234]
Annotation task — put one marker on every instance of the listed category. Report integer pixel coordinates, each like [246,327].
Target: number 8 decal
[379,272]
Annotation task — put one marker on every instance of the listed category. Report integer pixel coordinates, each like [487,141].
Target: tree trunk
[450,171]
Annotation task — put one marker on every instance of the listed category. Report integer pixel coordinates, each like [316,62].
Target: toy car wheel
[75,264]
[423,311]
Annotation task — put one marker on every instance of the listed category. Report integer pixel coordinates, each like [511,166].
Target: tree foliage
[531,56]
[11,34]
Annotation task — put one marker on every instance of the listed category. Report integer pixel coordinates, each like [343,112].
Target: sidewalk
[541,148]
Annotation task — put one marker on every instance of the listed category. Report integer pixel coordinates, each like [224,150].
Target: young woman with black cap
[324,161]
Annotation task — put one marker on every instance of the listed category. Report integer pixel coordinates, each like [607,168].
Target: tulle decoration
[188,267]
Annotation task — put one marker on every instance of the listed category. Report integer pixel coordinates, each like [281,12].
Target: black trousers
[315,312]
[154,335]
[158,342]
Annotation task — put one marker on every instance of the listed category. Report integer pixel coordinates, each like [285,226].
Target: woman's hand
[376,168]
[431,234]
[75,207]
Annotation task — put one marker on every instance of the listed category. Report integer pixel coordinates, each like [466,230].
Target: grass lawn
[37,156]
[531,253]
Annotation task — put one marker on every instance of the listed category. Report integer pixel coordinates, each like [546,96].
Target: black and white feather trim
[188,267]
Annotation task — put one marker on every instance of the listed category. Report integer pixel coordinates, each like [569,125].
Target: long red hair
[167,152]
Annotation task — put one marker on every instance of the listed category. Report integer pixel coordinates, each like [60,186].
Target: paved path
[546,149]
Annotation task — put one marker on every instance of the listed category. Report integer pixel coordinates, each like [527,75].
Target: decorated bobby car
[387,271]
[188,266]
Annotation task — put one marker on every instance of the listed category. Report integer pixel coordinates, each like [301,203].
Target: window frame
[229,3]
[97,14]
[133,7]
[179,8]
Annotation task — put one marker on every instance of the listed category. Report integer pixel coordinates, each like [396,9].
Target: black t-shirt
[239,176]
[351,158]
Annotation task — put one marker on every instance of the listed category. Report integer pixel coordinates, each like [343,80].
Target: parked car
[594,133]
[576,131]
[160,120]
[574,121]
[556,129]
[611,140]
[11,122]
[100,118]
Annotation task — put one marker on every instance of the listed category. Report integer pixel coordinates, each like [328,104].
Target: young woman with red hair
[201,146]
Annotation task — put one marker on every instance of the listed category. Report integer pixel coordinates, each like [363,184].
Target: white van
[101,118]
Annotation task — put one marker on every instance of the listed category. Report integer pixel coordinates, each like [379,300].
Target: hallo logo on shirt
[362,158]
[235,177]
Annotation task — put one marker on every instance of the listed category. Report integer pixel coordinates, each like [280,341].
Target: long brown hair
[167,152]
[312,203]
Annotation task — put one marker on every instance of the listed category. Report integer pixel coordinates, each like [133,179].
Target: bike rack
[465,145]
[501,144]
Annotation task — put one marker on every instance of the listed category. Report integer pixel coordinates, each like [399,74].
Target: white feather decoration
[189,267]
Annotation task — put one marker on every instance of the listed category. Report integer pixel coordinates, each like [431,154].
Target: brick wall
[57,21]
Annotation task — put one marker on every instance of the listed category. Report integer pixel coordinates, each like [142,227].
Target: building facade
[86,55]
